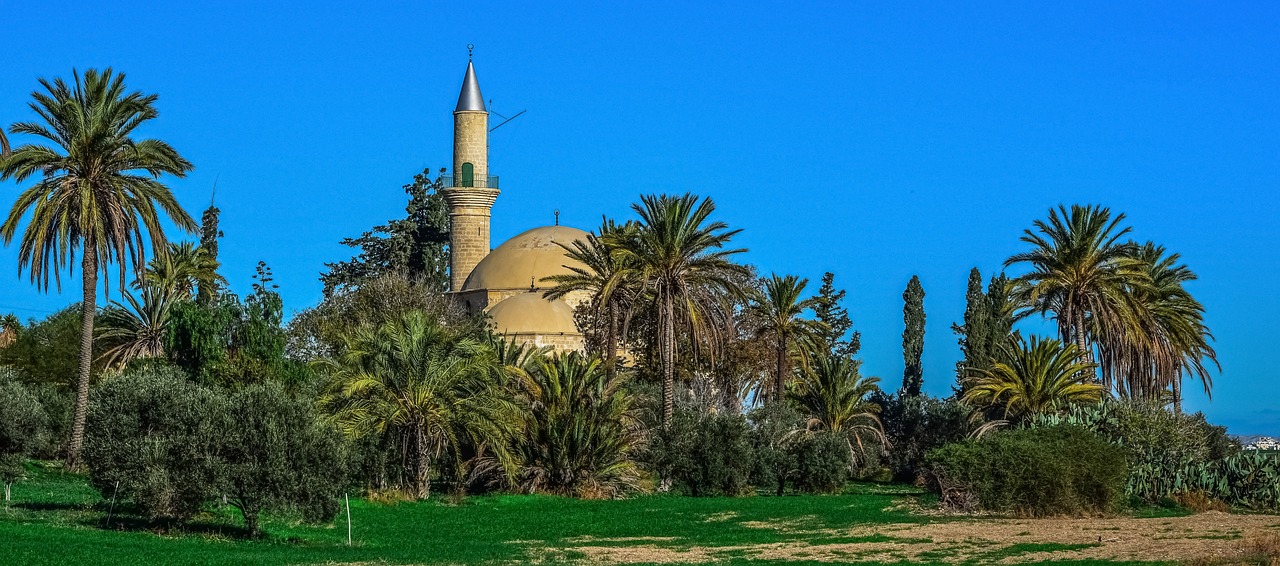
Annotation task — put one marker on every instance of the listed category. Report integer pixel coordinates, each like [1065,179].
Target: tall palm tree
[679,259]
[602,276]
[779,306]
[1081,271]
[98,193]
[181,268]
[4,144]
[139,330]
[580,429]
[834,396]
[439,391]
[1172,342]
[1033,379]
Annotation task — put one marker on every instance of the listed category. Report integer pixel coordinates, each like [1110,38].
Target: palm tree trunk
[778,385]
[611,343]
[422,465]
[668,360]
[89,269]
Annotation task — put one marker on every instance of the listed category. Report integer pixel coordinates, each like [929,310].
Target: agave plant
[579,432]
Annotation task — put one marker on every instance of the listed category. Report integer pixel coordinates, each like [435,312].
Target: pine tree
[913,337]
[417,245]
[836,317]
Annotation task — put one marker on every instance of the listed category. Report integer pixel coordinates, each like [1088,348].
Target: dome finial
[557,217]
[470,48]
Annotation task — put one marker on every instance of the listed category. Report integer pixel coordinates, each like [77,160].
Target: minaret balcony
[451,182]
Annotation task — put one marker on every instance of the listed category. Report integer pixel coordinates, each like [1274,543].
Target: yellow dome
[524,260]
[529,313]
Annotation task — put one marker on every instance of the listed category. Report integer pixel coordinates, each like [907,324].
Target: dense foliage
[154,442]
[170,446]
[913,337]
[23,428]
[704,454]
[276,453]
[580,430]
[415,246]
[1036,472]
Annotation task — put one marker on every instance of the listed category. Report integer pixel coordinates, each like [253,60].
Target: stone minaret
[470,197]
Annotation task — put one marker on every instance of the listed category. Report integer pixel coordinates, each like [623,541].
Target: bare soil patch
[1211,537]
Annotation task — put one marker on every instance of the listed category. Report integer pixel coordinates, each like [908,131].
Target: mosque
[506,281]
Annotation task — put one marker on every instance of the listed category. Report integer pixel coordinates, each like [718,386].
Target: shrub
[823,463]
[914,425]
[277,454]
[23,427]
[776,431]
[1165,450]
[1037,472]
[580,430]
[154,442]
[704,454]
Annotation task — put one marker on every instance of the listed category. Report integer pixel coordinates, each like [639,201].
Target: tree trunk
[89,269]
[251,522]
[778,385]
[422,465]
[668,360]
[1177,395]
[611,343]
[7,487]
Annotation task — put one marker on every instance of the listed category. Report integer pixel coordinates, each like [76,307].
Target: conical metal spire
[470,98]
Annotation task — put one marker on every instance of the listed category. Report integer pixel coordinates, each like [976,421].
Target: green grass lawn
[56,518]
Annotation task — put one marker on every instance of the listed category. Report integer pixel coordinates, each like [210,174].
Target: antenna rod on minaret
[470,48]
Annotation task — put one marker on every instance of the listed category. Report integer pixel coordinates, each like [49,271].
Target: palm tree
[1172,342]
[1081,272]
[138,330]
[98,192]
[603,277]
[680,261]
[835,397]
[4,144]
[181,268]
[438,391]
[779,307]
[1034,379]
[580,429]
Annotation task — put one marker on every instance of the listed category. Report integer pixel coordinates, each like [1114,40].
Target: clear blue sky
[876,142]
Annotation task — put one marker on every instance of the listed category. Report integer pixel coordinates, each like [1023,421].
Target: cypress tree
[913,337]
[976,332]
[1000,309]
[209,234]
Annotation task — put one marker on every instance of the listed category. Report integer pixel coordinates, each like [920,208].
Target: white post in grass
[348,500]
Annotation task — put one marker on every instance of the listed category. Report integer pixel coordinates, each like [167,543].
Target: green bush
[822,462]
[154,442]
[704,454]
[774,438]
[1036,472]
[1164,449]
[169,446]
[23,427]
[277,454]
